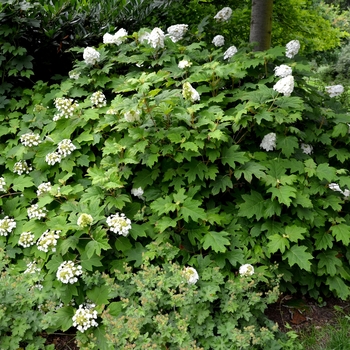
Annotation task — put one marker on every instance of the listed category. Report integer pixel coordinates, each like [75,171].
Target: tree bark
[261,24]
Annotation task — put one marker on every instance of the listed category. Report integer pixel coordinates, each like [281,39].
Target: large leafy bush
[132,139]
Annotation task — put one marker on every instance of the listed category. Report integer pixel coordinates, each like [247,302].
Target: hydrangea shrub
[225,158]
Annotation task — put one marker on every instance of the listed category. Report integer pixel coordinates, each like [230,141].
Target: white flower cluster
[116,38]
[22,167]
[156,38]
[84,317]
[218,40]
[85,220]
[34,212]
[334,90]
[30,139]
[132,116]
[307,149]
[43,188]
[184,64]
[65,106]
[68,272]
[232,50]
[191,275]
[98,99]
[223,15]
[73,74]
[137,192]
[26,239]
[91,56]
[189,93]
[2,184]
[7,225]
[283,71]
[143,37]
[292,48]
[268,143]
[65,147]
[48,240]
[335,187]
[246,270]
[177,31]
[32,268]
[285,85]
[53,158]
[112,111]
[119,223]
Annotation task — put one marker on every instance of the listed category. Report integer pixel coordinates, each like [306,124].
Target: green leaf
[324,171]
[231,156]
[137,231]
[21,182]
[62,319]
[323,240]
[221,184]
[98,294]
[165,222]
[190,209]
[341,232]
[287,144]
[248,170]
[336,284]
[284,194]
[294,233]
[135,254]
[115,308]
[100,338]
[329,260]
[253,205]
[216,241]
[88,263]
[276,243]
[298,255]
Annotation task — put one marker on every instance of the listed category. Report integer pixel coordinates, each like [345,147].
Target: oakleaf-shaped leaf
[190,209]
[253,205]
[216,241]
[298,255]
[324,171]
[341,233]
[276,243]
[284,194]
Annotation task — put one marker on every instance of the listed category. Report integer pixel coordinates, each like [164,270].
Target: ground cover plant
[167,169]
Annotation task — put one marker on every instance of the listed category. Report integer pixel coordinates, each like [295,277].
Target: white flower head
[73,75]
[292,48]
[156,38]
[117,38]
[223,15]
[283,71]
[191,275]
[65,107]
[30,139]
[7,225]
[189,93]
[91,56]
[285,85]
[43,188]
[68,272]
[268,143]
[177,31]
[232,50]
[307,149]
[2,184]
[184,64]
[132,116]
[335,90]
[246,270]
[34,212]
[53,158]
[119,223]
[22,167]
[32,268]
[335,187]
[48,240]
[137,192]
[143,37]
[85,220]
[218,40]
[65,147]
[26,239]
[98,99]
[85,317]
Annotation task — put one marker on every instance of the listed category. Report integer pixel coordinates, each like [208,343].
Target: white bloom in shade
[156,38]
[268,143]
[223,15]
[335,187]
[22,167]
[283,71]
[34,212]
[7,225]
[177,31]
[246,270]
[285,85]
[184,64]
[189,93]
[132,116]
[65,147]
[143,37]
[292,48]
[307,149]
[2,184]
[98,99]
[53,158]
[32,268]
[137,192]
[334,90]
[68,272]
[232,50]
[191,275]
[119,223]
[48,240]
[84,318]
[117,38]
[30,139]
[85,220]
[43,188]
[26,239]
[73,75]
[91,56]
[218,40]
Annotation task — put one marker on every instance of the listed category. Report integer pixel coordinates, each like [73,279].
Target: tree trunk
[261,24]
